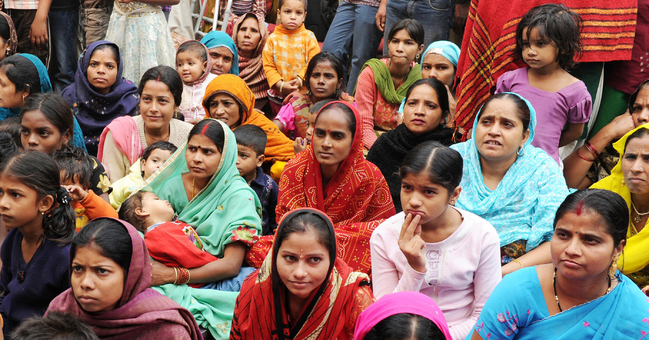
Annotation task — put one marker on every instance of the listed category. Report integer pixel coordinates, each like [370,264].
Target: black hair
[413,27]
[54,108]
[22,73]
[212,130]
[440,90]
[335,63]
[161,145]
[634,95]
[523,111]
[110,46]
[305,2]
[251,136]
[11,126]
[195,47]
[127,211]
[558,25]
[8,146]
[168,76]
[75,164]
[5,30]
[109,237]
[54,326]
[639,133]
[405,326]
[351,118]
[315,108]
[443,164]
[609,205]
[39,172]
[308,220]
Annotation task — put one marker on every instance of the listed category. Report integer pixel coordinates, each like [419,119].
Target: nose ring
[578,252]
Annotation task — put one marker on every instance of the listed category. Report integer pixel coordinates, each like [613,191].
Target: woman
[223,52]
[8,36]
[383,84]
[597,157]
[385,319]
[425,112]
[125,138]
[439,61]
[302,290]
[513,185]
[250,35]
[629,179]
[140,30]
[580,295]
[99,93]
[332,176]
[110,279]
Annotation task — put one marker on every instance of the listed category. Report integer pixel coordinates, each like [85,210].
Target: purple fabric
[554,110]
[94,111]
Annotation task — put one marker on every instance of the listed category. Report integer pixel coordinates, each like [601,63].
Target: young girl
[302,290]
[449,254]
[35,254]
[324,79]
[547,40]
[193,65]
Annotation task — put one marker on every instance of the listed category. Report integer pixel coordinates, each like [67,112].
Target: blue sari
[621,314]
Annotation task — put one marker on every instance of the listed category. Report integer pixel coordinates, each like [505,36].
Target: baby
[300,143]
[193,66]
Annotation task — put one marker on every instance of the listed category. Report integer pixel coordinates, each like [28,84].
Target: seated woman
[383,84]
[303,290]
[99,93]
[203,186]
[508,182]
[125,138]
[596,159]
[629,179]
[425,114]
[580,295]
[110,279]
[447,253]
[250,35]
[332,176]
[385,319]
[223,53]
[324,79]
[439,61]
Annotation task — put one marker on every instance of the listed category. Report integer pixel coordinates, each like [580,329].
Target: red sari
[357,200]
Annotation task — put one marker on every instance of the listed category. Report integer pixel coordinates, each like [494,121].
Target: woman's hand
[161,274]
[620,125]
[411,243]
[76,192]
[299,145]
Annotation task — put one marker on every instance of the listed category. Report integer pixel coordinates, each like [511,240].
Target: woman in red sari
[332,176]
[302,290]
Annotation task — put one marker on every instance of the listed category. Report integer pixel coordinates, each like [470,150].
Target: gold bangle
[176,271]
[519,263]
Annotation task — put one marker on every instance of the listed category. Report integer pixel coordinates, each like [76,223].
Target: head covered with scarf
[251,70]
[216,39]
[12,40]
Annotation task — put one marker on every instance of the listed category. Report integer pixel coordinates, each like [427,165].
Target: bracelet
[281,87]
[176,271]
[301,81]
[592,149]
[184,276]
[519,263]
[584,158]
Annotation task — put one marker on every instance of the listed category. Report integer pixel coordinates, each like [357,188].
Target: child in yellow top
[289,49]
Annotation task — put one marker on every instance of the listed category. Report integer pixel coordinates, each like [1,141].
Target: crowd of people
[258,184]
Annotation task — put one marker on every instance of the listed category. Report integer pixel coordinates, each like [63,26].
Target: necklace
[554,285]
[193,185]
[638,218]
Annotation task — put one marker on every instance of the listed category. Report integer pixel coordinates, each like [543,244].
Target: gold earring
[613,269]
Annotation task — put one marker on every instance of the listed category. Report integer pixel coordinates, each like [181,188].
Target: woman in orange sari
[332,176]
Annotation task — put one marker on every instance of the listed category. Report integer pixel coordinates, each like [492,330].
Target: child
[547,40]
[172,243]
[288,51]
[301,143]
[193,66]
[36,252]
[446,253]
[11,125]
[152,158]
[76,171]
[251,143]
[54,326]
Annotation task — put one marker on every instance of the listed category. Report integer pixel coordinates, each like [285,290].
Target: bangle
[176,271]
[584,158]
[592,149]
[301,81]
[281,87]
[519,263]
[184,276]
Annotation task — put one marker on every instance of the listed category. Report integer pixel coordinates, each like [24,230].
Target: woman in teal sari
[581,295]
[203,185]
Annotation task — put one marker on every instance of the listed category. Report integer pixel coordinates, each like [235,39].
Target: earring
[42,213]
[417,56]
[7,53]
[521,151]
[613,269]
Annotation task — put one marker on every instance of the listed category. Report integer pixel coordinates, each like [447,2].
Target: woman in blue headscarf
[223,51]
[510,183]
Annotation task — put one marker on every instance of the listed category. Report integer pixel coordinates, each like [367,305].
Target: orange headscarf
[279,147]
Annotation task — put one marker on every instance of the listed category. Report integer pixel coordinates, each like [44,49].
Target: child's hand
[38,33]
[76,192]
[299,145]
[289,87]
[411,243]
[346,97]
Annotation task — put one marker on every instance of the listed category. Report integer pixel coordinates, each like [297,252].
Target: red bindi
[579,208]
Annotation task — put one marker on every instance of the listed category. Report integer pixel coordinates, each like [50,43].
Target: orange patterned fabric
[357,199]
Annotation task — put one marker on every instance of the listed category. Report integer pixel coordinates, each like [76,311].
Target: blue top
[267,191]
[45,276]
